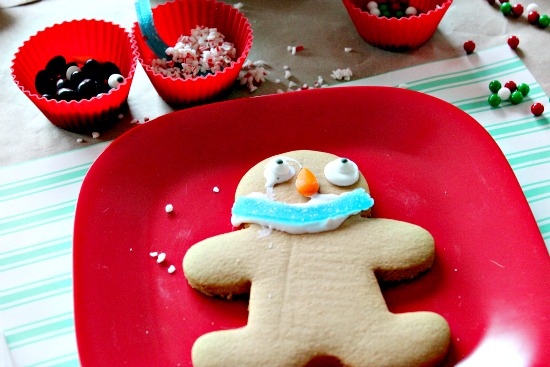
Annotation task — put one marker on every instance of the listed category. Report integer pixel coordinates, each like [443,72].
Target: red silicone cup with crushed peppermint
[77,40]
[398,34]
[177,18]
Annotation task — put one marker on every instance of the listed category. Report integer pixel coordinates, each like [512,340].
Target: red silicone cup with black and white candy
[76,42]
[398,34]
[176,18]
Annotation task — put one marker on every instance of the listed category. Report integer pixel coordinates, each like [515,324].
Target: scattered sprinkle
[79,140]
[286,67]
[216,189]
[171,269]
[120,116]
[277,81]
[288,74]
[291,84]
[342,74]
[238,5]
[161,257]
[153,254]
[169,208]
[294,49]
[348,49]
[252,75]
[259,63]
[95,135]
[403,86]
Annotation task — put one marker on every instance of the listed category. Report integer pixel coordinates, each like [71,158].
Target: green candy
[516,97]
[544,21]
[494,100]
[494,86]
[524,89]
[506,8]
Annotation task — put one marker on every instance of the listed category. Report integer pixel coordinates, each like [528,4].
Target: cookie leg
[420,339]
[242,348]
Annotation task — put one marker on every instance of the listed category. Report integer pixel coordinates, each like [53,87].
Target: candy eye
[342,172]
[115,80]
[278,170]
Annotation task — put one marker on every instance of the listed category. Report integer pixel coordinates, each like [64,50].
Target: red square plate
[426,161]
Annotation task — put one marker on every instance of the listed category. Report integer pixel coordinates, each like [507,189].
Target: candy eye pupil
[279,161]
[344,160]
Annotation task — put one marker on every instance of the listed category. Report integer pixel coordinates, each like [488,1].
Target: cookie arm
[404,250]
[215,267]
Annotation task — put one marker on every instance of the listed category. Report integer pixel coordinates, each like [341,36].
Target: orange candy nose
[306,182]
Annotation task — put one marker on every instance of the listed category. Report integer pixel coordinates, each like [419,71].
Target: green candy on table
[544,21]
[494,86]
[494,100]
[506,8]
[524,89]
[516,97]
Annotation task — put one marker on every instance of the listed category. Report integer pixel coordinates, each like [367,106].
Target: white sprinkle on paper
[95,135]
[238,5]
[79,140]
[348,49]
[171,269]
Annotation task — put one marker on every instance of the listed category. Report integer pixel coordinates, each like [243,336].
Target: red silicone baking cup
[177,18]
[77,40]
[398,34]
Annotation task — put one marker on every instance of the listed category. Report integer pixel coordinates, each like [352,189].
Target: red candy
[513,42]
[533,17]
[511,85]
[537,108]
[517,10]
[469,46]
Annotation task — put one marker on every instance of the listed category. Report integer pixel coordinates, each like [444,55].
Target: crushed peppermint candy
[253,74]
[203,52]
[161,257]
[342,74]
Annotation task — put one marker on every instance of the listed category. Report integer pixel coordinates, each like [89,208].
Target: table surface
[323,27]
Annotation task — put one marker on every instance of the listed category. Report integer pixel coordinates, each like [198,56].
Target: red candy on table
[517,10]
[533,17]
[537,108]
[511,85]
[513,42]
[469,46]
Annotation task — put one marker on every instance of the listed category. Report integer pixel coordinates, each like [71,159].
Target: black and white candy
[68,81]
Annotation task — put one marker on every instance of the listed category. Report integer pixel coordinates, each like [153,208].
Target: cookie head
[294,177]
[301,187]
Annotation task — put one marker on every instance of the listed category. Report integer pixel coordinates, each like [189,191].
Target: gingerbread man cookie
[311,264]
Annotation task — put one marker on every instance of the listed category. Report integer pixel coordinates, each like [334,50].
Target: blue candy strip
[264,210]
[148,30]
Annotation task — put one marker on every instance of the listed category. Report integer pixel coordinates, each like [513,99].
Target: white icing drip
[279,170]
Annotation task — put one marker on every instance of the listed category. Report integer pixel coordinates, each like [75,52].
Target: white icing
[279,170]
[342,172]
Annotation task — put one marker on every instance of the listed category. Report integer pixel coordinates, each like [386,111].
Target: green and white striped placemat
[38,199]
